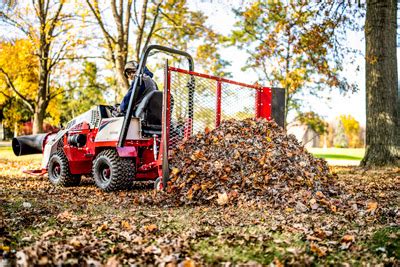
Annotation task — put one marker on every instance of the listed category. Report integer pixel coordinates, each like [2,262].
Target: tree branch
[117,17]
[11,85]
[127,20]
[4,94]
[136,21]
[54,20]
[109,39]
[15,24]
[141,28]
[153,25]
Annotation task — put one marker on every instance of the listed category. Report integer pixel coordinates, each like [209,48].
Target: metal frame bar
[222,80]
[166,116]
[142,64]
[218,103]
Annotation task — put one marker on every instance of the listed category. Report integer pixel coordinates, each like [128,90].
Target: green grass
[338,153]
[387,240]
[6,153]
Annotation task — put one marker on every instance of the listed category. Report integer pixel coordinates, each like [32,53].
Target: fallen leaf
[348,238]
[319,250]
[372,206]
[75,243]
[151,228]
[187,263]
[102,227]
[48,234]
[222,199]
[112,262]
[126,225]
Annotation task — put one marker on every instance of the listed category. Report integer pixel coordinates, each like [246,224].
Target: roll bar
[142,64]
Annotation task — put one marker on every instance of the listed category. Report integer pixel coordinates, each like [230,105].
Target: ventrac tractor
[117,151]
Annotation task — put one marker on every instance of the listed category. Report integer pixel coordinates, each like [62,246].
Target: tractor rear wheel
[111,172]
[59,173]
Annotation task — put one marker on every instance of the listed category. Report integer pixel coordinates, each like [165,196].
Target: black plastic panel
[278,106]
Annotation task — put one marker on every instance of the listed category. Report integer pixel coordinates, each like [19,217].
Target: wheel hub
[106,173]
[56,170]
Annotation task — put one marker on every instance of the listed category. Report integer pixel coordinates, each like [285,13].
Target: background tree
[18,81]
[340,139]
[116,33]
[352,130]
[168,23]
[293,45]
[180,27]
[47,25]
[313,121]
[87,91]
[383,106]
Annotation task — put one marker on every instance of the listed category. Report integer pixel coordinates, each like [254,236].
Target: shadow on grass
[337,156]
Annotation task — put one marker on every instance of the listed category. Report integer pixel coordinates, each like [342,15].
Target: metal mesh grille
[236,102]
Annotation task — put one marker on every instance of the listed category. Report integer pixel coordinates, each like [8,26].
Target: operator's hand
[116,112]
[116,107]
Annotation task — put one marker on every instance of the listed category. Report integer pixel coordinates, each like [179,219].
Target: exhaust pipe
[28,144]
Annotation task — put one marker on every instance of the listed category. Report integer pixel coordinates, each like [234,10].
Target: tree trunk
[15,129]
[120,67]
[382,129]
[42,96]
[38,118]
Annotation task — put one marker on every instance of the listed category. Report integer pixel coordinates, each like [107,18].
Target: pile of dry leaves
[249,160]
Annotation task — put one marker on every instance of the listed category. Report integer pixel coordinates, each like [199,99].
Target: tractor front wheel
[111,172]
[158,184]
[59,173]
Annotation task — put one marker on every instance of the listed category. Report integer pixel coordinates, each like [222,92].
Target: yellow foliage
[21,65]
[352,130]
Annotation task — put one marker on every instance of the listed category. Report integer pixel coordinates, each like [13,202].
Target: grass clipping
[249,160]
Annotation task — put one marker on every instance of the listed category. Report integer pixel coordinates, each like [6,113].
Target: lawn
[45,225]
[338,153]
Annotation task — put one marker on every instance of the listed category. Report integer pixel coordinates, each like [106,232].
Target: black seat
[150,111]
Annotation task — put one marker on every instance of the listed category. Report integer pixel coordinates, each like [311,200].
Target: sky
[222,20]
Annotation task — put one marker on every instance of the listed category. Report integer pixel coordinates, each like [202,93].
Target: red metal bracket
[36,172]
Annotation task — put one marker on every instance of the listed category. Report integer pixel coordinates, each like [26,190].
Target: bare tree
[116,34]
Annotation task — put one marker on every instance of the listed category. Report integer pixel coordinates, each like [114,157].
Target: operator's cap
[130,65]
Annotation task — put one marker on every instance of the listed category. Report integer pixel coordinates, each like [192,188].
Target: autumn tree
[313,121]
[18,81]
[168,23]
[352,130]
[383,106]
[293,45]
[47,25]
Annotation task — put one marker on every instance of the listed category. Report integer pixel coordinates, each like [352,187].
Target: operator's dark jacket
[146,86]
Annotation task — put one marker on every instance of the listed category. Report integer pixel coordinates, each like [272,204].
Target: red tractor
[120,150]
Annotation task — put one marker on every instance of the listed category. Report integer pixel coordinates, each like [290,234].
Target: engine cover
[110,129]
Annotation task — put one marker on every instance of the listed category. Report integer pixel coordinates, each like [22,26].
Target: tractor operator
[146,85]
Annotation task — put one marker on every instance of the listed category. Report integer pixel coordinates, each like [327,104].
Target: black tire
[158,184]
[111,172]
[58,170]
